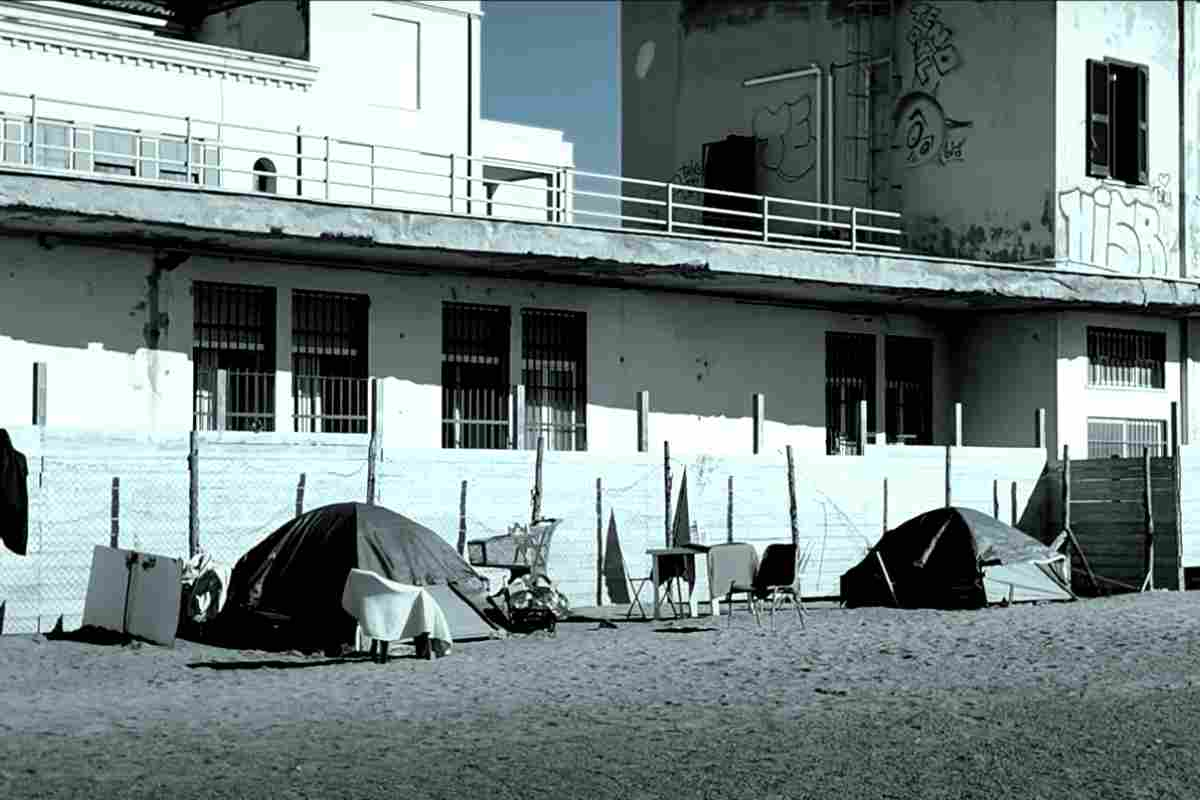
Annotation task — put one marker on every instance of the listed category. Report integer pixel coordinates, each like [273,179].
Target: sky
[553,63]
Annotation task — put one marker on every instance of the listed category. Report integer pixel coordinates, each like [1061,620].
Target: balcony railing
[330,405]
[43,133]
[233,400]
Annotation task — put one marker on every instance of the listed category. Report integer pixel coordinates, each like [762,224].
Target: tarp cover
[939,560]
[14,496]
[297,574]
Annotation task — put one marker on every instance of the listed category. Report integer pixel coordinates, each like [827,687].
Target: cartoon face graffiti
[922,130]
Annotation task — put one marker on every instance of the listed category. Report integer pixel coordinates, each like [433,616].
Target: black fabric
[936,560]
[777,568]
[297,574]
[14,496]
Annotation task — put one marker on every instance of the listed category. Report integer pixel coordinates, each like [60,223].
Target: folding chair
[731,569]
[779,575]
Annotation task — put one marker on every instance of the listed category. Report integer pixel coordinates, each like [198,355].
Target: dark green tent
[286,592]
[954,558]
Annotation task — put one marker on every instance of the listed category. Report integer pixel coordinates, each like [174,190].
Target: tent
[286,592]
[955,558]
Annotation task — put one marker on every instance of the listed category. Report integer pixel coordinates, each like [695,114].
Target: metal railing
[233,400]
[44,133]
[323,404]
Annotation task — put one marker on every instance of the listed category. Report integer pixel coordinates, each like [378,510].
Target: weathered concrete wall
[248,488]
[1106,223]
[279,29]
[700,358]
[975,119]
[1005,370]
[1077,401]
[1189,523]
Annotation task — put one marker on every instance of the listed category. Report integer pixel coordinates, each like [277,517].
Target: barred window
[554,371]
[1125,358]
[908,365]
[1126,438]
[475,376]
[849,379]
[329,362]
[233,357]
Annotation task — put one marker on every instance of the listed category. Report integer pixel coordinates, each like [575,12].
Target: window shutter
[1099,159]
[1143,129]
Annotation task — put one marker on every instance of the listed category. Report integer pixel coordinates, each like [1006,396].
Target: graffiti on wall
[1103,229]
[1162,189]
[788,146]
[924,132]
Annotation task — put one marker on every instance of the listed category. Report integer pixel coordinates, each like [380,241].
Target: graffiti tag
[1162,189]
[789,144]
[934,53]
[1104,230]
[921,124]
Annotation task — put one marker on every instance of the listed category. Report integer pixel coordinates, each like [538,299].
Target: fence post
[373,442]
[1177,487]
[300,495]
[193,495]
[758,412]
[862,427]
[1147,501]
[1014,504]
[958,424]
[996,498]
[949,496]
[462,519]
[536,512]
[518,417]
[39,393]
[791,479]
[643,421]
[885,504]
[729,513]
[221,400]
[114,536]
[667,492]
[599,544]
[1039,428]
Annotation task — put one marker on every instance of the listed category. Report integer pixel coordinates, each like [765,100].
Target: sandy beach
[1094,699]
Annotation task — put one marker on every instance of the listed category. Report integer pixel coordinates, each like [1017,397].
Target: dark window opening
[330,391]
[476,398]
[1117,121]
[233,357]
[908,369]
[264,176]
[731,165]
[554,371]
[849,379]
[1126,438]
[1128,359]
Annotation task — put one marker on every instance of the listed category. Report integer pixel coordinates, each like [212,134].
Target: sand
[1093,699]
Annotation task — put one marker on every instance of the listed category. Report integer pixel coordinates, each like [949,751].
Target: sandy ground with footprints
[1095,699]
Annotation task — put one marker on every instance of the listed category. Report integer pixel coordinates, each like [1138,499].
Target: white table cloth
[390,611]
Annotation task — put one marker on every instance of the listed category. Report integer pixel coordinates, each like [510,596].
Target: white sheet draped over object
[390,611]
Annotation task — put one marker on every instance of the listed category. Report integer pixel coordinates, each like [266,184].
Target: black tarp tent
[954,558]
[14,496]
[286,592]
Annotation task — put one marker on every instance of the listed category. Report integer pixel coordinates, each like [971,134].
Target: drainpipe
[812,70]
[830,183]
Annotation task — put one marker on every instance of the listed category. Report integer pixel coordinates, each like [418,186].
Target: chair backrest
[731,567]
[539,536]
[778,567]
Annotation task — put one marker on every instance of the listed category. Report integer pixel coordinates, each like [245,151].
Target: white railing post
[452,160]
[187,150]
[33,119]
[766,218]
[326,167]
[854,228]
[670,208]
[373,176]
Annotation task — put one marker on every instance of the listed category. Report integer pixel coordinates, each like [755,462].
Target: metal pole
[326,167]
[193,495]
[670,207]
[33,126]
[766,219]
[373,178]
[452,161]
[854,228]
[187,151]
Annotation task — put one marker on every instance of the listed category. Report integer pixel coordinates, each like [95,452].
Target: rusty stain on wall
[999,243]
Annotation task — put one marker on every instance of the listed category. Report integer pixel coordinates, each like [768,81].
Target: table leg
[654,584]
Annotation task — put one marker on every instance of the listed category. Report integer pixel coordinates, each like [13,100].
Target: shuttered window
[1118,122]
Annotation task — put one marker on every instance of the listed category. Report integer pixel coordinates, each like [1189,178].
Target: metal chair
[731,570]
[779,577]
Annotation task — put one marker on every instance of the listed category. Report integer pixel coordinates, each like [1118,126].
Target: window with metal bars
[908,370]
[330,392]
[233,357]
[1126,438]
[849,379]
[1125,358]
[554,371]
[475,376]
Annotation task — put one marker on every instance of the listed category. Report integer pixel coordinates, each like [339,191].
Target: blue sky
[553,63]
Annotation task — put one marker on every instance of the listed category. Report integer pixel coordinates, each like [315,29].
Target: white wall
[1105,223]
[701,359]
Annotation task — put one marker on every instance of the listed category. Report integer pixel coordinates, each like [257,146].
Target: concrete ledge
[112,211]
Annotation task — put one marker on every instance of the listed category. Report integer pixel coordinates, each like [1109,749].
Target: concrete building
[1043,142]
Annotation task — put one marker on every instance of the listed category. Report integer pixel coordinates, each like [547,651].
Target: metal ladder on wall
[870,94]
